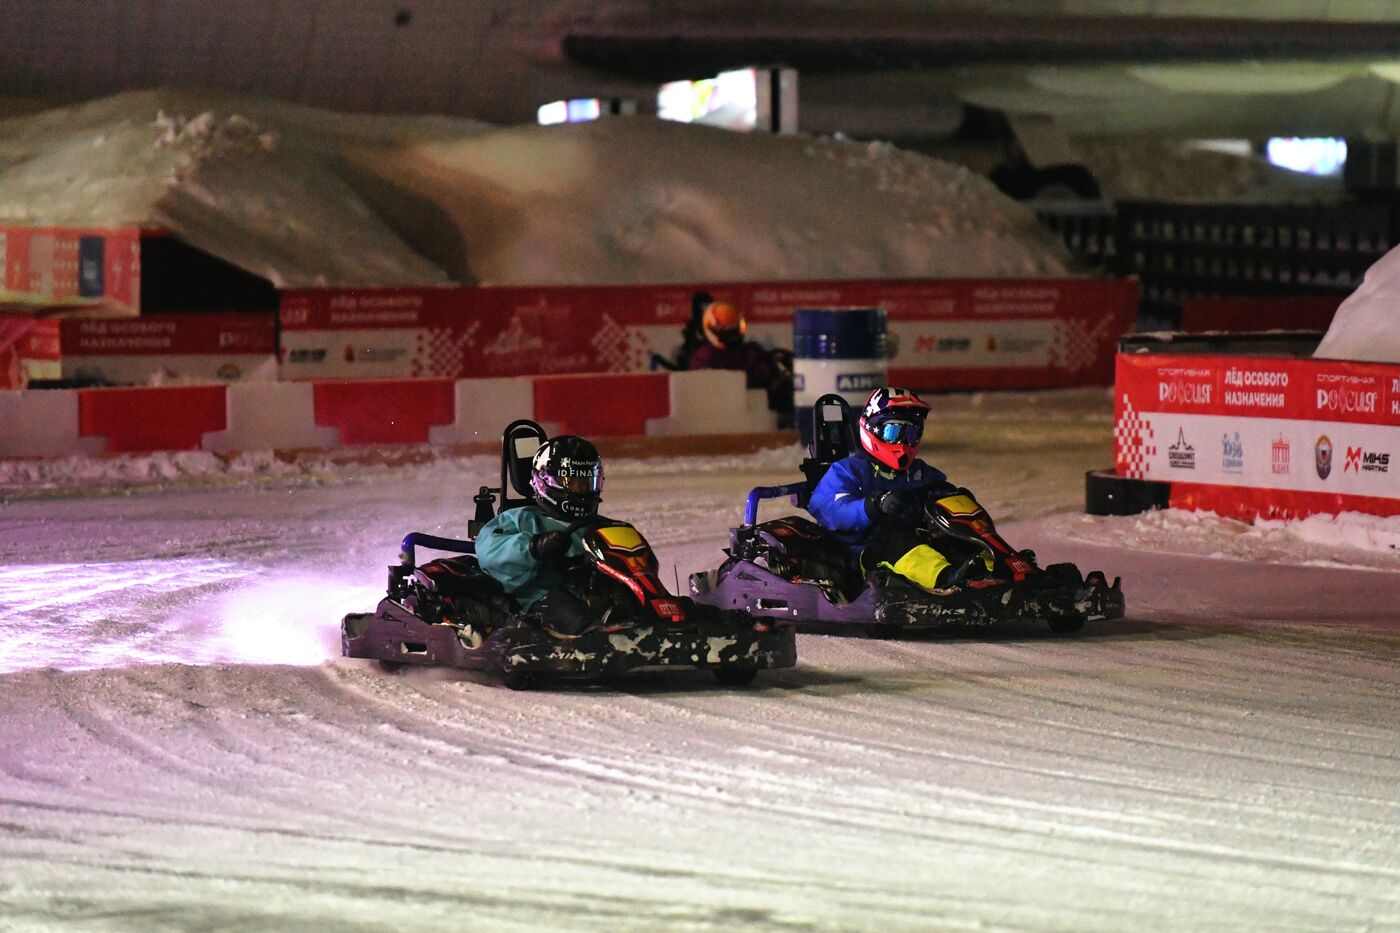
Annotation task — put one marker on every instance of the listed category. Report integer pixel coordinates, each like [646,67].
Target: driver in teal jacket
[526,548]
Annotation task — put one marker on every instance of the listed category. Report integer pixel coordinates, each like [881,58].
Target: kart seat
[455,577]
[801,550]
[832,439]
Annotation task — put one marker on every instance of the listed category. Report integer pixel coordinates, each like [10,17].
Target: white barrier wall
[323,415]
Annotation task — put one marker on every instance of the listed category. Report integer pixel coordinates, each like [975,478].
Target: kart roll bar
[759,493]
[423,539]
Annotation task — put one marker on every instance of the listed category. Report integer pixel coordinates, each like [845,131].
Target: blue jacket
[838,502]
[503,550]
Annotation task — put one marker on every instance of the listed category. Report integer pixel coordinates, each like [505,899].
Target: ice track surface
[180,749]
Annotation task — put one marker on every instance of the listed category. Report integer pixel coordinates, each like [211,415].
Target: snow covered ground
[181,748]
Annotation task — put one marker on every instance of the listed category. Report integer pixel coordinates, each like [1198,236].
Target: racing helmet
[723,325]
[566,476]
[891,426]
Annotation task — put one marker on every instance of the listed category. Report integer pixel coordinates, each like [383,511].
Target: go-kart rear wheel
[391,667]
[1066,625]
[521,680]
[734,676]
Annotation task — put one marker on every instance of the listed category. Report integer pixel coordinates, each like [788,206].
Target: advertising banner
[63,264]
[953,334]
[1259,436]
[164,349]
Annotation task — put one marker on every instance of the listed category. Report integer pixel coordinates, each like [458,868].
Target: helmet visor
[730,336]
[581,480]
[899,432]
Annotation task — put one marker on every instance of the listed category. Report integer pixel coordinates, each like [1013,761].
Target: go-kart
[450,612]
[792,570]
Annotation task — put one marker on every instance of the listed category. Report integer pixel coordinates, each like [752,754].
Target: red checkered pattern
[621,349]
[1076,345]
[1132,443]
[441,351]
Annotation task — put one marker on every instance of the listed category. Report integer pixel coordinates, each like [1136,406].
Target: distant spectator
[725,347]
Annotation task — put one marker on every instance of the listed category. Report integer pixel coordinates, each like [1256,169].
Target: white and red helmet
[891,426]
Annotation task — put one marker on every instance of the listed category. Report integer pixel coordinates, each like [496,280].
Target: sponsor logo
[1369,461]
[1347,401]
[1248,388]
[311,355]
[859,382]
[240,340]
[513,339]
[928,343]
[1279,456]
[1323,454]
[1232,453]
[1253,378]
[1181,455]
[1183,393]
[229,372]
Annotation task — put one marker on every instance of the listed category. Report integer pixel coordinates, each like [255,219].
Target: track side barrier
[605,405]
[1260,437]
[385,411]
[327,415]
[145,419]
[951,334]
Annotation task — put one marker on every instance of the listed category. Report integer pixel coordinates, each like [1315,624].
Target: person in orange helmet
[725,347]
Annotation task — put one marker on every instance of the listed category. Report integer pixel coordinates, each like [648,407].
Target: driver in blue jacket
[872,500]
[526,548]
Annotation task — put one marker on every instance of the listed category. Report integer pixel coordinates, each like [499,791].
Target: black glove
[549,545]
[887,504]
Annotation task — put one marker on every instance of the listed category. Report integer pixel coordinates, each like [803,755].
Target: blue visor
[900,432]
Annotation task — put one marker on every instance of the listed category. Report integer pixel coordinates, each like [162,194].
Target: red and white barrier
[321,415]
[948,334]
[1254,436]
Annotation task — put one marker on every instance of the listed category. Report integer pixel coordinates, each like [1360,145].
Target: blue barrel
[839,350]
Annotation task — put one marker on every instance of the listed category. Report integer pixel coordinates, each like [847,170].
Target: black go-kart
[794,571]
[450,612]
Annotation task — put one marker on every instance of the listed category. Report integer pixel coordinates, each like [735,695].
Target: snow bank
[1173,170]
[309,197]
[1367,325]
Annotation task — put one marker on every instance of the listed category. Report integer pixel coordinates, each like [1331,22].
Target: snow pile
[1367,325]
[253,183]
[307,197]
[1166,170]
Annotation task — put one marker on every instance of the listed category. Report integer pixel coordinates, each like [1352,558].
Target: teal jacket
[503,550]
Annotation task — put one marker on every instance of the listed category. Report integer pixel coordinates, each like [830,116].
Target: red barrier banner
[165,348]
[948,334]
[1260,436]
[72,264]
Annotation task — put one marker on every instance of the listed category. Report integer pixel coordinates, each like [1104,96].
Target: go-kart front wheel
[734,676]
